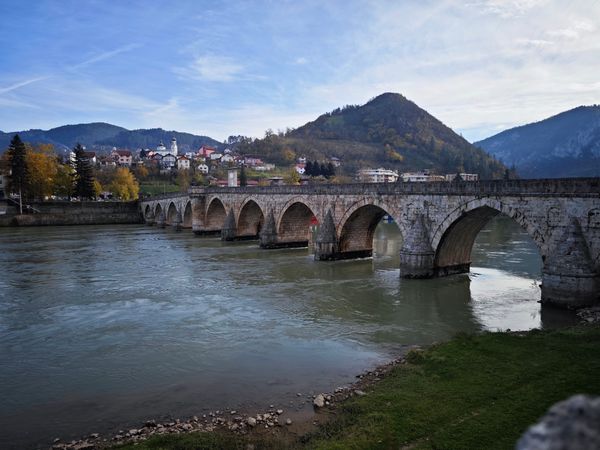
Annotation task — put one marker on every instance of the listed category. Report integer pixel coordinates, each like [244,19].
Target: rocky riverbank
[272,419]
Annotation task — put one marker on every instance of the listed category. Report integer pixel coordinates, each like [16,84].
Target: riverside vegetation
[473,392]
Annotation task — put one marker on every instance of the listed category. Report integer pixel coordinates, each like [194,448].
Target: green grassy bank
[473,392]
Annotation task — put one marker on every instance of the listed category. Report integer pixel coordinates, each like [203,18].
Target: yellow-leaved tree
[124,185]
[63,181]
[42,167]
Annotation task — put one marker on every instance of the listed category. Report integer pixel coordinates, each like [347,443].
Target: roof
[123,152]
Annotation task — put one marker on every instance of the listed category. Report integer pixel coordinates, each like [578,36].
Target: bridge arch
[147,212]
[251,219]
[357,226]
[187,215]
[215,215]
[171,216]
[294,223]
[452,241]
[157,210]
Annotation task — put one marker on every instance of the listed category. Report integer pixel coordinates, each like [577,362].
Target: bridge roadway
[438,221]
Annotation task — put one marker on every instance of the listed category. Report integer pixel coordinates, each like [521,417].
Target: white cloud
[506,8]
[301,60]
[211,68]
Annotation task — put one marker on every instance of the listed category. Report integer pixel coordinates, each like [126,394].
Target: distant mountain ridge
[100,135]
[388,131]
[564,145]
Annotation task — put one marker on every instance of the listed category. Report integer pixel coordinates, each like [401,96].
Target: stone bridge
[438,222]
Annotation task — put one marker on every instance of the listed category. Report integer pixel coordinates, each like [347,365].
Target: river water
[103,327]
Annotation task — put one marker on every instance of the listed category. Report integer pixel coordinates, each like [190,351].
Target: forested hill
[104,136]
[388,131]
[565,145]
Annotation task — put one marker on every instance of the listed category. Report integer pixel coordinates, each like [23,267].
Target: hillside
[388,131]
[565,145]
[104,135]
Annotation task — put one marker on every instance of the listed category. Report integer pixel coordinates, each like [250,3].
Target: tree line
[36,173]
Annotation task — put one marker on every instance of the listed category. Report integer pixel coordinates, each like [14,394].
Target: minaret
[174,146]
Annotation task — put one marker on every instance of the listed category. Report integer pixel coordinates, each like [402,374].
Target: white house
[122,157]
[227,158]
[183,163]
[202,168]
[420,177]
[169,161]
[215,156]
[380,175]
[463,176]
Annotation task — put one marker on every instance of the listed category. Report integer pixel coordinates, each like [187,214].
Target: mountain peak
[564,145]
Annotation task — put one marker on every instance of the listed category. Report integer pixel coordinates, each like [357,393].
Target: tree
[84,176]
[243,176]
[42,168]
[329,171]
[63,181]
[18,166]
[292,177]
[308,169]
[183,180]
[124,185]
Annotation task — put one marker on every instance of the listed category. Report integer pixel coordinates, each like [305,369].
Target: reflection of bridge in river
[438,221]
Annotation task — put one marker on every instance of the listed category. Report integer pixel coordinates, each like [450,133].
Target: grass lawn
[473,392]
[157,188]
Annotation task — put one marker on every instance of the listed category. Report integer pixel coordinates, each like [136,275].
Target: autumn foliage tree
[42,167]
[124,185]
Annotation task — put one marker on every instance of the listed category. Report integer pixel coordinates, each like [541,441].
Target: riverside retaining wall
[76,213]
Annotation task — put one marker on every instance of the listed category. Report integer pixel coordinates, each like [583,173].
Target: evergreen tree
[243,176]
[84,176]
[18,166]
[330,171]
[308,169]
[316,169]
[323,169]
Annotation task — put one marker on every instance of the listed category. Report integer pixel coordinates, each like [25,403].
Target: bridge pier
[161,220]
[416,254]
[228,232]
[176,224]
[326,244]
[150,219]
[568,276]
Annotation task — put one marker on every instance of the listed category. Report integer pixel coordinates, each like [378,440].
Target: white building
[183,163]
[174,146]
[169,161]
[227,158]
[419,177]
[3,186]
[380,175]
[464,176]
[202,168]
[215,156]
[161,149]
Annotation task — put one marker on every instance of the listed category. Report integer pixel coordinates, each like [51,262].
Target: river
[103,327]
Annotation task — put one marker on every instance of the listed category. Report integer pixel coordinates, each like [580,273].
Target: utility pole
[20,202]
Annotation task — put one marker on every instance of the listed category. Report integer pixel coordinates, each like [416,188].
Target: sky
[226,68]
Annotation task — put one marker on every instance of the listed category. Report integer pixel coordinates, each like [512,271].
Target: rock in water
[319,401]
[251,421]
[573,424]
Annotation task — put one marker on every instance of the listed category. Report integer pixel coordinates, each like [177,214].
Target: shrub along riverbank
[473,392]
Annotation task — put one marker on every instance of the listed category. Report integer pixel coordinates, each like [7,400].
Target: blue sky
[222,68]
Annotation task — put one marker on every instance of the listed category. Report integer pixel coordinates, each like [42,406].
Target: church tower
[174,146]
